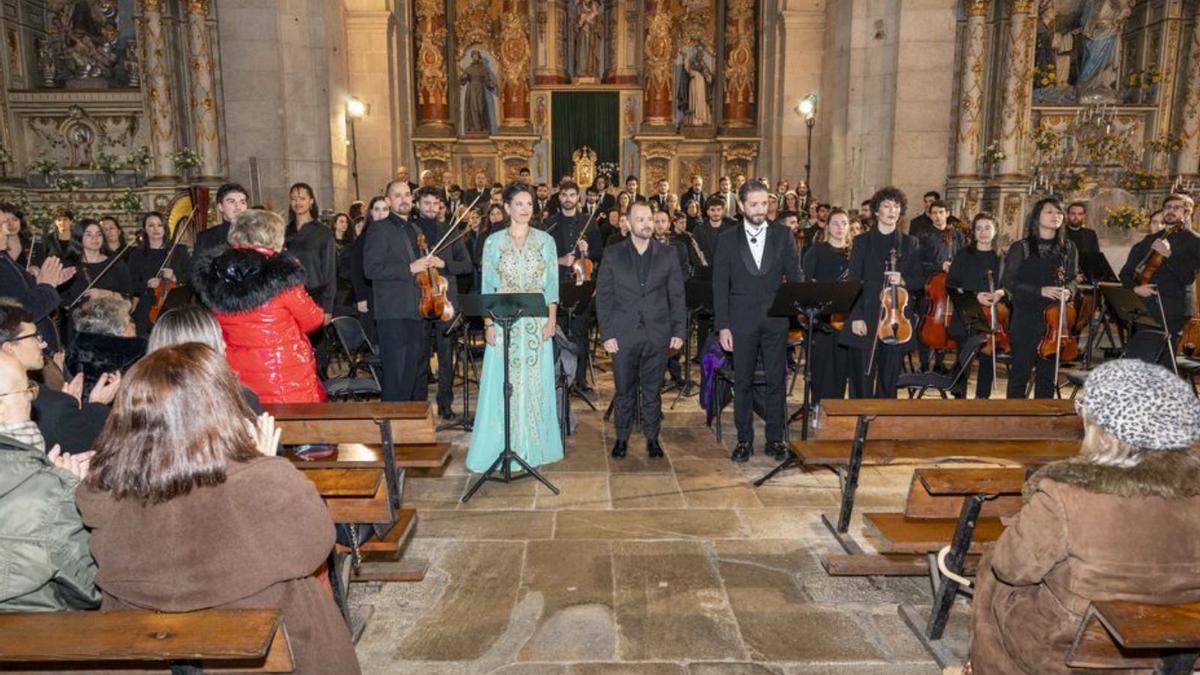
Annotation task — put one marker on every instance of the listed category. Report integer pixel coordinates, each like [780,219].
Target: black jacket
[868,258]
[94,354]
[742,293]
[314,247]
[1176,272]
[565,230]
[388,251]
[212,238]
[63,422]
[39,299]
[629,310]
[456,256]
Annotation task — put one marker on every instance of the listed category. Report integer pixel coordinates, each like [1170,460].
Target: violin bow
[438,247]
[79,298]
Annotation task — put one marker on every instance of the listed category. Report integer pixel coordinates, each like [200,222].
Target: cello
[1189,339]
[1057,340]
[936,321]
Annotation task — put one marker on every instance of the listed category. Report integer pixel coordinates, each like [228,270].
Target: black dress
[969,274]
[313,246]
[1029,266]
[144,263]
[117,279]
[830,360]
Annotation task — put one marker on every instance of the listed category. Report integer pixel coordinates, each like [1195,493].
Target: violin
[1057,342]
[894,327]
[1153,260]
[434,304]
[997,318]
[583,268]
[936,321]
[186,208]
[1189,340]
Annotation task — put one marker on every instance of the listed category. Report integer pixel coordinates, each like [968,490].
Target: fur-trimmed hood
[1160,474]
[238,280]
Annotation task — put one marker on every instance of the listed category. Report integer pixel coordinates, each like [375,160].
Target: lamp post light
[808,108]
[355,110]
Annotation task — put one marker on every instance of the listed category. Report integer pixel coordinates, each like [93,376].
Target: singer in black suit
[752,259]
[640,306]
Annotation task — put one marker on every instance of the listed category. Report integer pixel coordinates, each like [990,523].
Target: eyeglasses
[30,392]
[34,334]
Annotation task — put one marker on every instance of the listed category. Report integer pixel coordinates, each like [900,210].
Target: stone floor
[669,566]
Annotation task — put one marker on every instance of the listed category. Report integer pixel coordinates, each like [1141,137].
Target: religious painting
[694,92]
[1077,52]
[478,92]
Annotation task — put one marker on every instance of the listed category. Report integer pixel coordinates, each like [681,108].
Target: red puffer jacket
[265,315]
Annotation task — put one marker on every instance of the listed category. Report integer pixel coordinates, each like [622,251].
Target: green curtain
[582,118]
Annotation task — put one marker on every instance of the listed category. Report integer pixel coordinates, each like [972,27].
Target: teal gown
[507,268]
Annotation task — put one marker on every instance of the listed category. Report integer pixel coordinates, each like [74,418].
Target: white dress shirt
[757,240]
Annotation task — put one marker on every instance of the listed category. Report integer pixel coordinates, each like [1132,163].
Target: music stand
[1096,269]
[698,297]
[570,298]
[1129,306]
[462,326]
[811,298]
[505,309]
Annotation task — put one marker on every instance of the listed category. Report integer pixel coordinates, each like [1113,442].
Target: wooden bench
[1115,635]
[213,640]
[856,432]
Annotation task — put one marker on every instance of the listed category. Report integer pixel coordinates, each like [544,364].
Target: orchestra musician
[829,261]
[1031,279]
[874,366]
[977,268]
[752,260]
[1179,249]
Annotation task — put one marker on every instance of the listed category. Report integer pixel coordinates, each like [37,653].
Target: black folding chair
[918,383]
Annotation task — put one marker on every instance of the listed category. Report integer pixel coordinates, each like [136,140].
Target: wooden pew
[213,640]
[1116,635]
[856,432]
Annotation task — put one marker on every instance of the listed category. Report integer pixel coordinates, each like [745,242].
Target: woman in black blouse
[829,261]
[145,261]
[1031,279]
[313,245]
[969,273]
[86,254]
[343,238]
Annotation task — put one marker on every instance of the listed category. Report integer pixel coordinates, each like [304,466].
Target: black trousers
[443,345]
[880,382]
[987,371]
[754,342]
[638,366]
[1026,362]
[830,366]
[404,350]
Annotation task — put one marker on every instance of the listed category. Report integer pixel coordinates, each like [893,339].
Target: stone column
[1189,125]
[1018,86]
[514,60]
[970,97]
[622,64]
[204,109]
[157,90]
[658,103]
[740,57]
[551,43]
[433,104]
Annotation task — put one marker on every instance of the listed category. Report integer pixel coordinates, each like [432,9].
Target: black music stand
[698,297]
[1095,269]
[1129,306]
[462,326]
[570,298]
[812,299]
[505,309]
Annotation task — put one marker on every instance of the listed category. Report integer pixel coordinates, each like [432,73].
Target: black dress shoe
[619,448]
[446,414]
[742,452]
[777,450]
[654,449]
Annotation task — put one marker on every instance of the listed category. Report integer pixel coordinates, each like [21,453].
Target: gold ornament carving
[1012,212]
[198,7]
[1022,6]
[977,7]
[151,6]
[658,149]
[739,60]
[514,149]
[696,25]
[740,151]
[473,25]
[514,53]
[1189,127]
[660,51]
[431,48]
[437,152]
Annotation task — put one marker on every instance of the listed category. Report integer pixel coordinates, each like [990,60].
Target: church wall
[368,78]
[801,24]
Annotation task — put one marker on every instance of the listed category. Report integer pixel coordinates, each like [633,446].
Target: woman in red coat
[258,296]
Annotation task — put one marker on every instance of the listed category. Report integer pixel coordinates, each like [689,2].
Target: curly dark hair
[890,193]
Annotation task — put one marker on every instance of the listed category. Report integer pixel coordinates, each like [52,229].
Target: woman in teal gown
[519,259]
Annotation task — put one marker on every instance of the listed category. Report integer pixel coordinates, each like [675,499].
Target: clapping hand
[266,434]
[77,464]
[105,389]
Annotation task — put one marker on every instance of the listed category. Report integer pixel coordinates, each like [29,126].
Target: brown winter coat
[1086,532]
[252,542]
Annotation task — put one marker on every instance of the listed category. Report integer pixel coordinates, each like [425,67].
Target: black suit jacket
[386,256]
[458,259]
[743,292]
[628,310]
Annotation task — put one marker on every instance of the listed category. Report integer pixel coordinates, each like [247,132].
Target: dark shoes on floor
[654,449]
[446,413]
[777,450]
[619,449]
[742,452]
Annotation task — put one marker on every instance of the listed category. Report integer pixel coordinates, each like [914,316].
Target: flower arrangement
[1125,218]
[127,202]
[1044,77]
[186,159]
[1141,180]
[1144,79]
[1045,140]
[68,183]
[993,155]
[1106,149]
[1070,181]
[46,167]
[1167,143]
[106,164]
[610,170]
[140,159]
[6,157]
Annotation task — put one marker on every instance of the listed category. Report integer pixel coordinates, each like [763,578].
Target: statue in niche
[133,67]
[694,98]
[477,80]
[46,61]
[1100,26]
[79,140]
[589,32]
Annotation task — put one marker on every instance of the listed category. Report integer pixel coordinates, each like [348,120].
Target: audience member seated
[44,560]
[65,418]
[105,343]
[265,314]
[1119,522]
[194,323]
[188,512]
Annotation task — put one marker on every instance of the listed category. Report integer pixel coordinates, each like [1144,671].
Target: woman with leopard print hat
[1121,521]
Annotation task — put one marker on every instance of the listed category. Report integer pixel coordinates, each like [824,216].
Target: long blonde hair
[1101,447]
